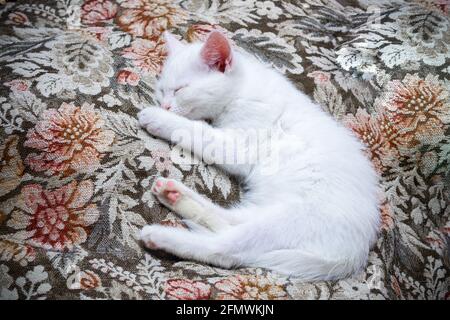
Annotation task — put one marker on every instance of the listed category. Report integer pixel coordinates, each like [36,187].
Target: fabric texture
[76,168]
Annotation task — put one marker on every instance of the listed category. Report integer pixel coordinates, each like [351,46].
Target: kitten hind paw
[166,190]
[147,236]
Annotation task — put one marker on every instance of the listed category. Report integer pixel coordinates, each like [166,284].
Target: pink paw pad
[170,184]
[173,196]
[158,184]
[151,245]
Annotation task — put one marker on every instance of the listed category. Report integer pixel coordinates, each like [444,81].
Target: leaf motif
[208,173]
[10,119]
[152,276]
[213,11]
[202,269]
[328,97]
[223,183]
[147,197]
[395,54]
[116,272]
[424,24]
[109,177]
[351,58]
[27,68]
[53,83]
[315,22]
[128,143]
[28,104]
[270,49]
[65,262]
[119,39]
[411,240]
[322,58]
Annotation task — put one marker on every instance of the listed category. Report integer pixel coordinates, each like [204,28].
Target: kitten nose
[166,106]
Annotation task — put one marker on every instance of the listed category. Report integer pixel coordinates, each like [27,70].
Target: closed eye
[179,88]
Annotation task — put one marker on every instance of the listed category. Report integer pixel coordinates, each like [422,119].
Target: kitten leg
[189,204]
[205,142]
[214,146]
[188,245]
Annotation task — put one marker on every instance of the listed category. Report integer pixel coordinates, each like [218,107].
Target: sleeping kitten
[315,217]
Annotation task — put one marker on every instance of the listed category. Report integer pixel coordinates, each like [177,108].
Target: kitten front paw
[149,236]
[155,121]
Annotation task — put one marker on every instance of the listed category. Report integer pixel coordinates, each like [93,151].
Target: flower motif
[18,18]
[55,219]
[379,134]
[442,5]
[11,167]
[249,287]
[419,107]
[149,18]
[71,139]
[147,55]
[84,280]
[17,85]
[96,12]
[268,8]
[185,289]
[128,77]
[36,281]
[89,280]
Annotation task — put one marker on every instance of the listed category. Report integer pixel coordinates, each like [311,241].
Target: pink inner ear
[216,52]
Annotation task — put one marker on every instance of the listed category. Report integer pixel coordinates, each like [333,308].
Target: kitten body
[313,215]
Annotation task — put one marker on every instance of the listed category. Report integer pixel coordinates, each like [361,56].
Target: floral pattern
[252,287]
[98,11]
[76,168]
[149,18]
[127,77]
[419,107]
[55,219]
[181,289]
[70,139]
[84,280]
[147,55]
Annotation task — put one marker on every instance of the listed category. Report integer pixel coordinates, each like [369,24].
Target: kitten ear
[172,43]
[216,52]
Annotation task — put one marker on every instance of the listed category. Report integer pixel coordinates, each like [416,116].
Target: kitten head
[197,79]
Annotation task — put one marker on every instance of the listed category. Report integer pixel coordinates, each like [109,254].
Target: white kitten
[314,217]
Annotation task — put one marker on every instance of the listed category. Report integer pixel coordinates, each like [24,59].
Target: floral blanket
[76,168]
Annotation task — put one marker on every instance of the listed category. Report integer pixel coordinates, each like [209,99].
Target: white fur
[316,217]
